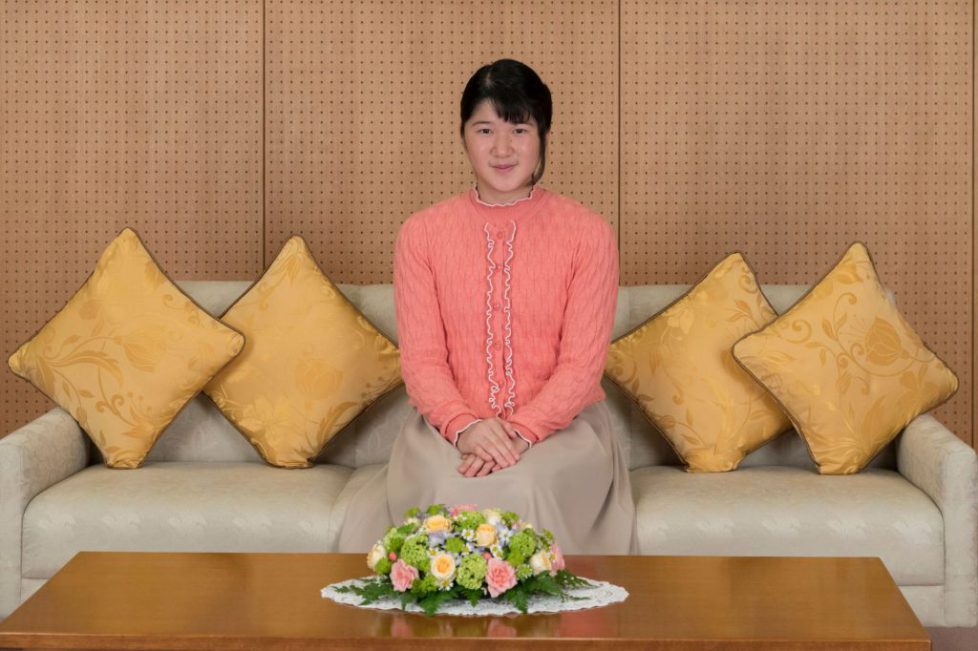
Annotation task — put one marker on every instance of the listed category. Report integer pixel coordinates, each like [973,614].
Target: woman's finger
[476,467]
[501,453]
[498,435]
[466,462]
[485,470]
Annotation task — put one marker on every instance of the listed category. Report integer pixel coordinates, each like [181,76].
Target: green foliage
[436,509]
[413,512]
[510,518]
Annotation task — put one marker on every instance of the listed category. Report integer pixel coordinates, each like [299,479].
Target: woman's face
[503,155]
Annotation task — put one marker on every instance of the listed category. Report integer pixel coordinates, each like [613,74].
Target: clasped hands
[489,445]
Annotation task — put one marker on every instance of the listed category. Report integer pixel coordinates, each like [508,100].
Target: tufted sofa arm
[36,456]
[931,457]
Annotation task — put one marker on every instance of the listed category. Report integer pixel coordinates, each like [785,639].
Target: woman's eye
[521,130]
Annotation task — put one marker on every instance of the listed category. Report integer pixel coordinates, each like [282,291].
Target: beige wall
[785,130]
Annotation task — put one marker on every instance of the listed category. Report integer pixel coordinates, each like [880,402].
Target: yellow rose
[485,534]
[443,567]
[436,523]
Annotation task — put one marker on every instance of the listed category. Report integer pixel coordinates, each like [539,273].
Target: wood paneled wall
[783,129]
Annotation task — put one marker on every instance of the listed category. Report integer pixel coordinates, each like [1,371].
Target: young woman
[505,298]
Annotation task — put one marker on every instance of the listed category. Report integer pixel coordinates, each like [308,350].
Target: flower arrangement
[465,553]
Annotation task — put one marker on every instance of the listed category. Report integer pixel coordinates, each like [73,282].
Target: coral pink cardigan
[504,310]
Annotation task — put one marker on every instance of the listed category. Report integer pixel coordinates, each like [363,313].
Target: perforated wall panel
[363,113]
[788,130]
[145,114]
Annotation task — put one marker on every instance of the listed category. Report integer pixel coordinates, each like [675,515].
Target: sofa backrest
[201,433]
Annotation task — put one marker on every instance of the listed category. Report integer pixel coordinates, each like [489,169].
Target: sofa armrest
[32,458]
[931,457]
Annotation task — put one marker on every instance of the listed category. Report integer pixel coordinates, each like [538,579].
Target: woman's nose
[502,145]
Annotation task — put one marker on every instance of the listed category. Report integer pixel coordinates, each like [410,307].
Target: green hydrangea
[455,545]
[523,572]
[548,538]
[383,566]
[413,512]
[435,509]
[414,552]
[469,519]
[515,558]
[523,542]
[428,583]
[510,518]
[471,572]
[394,540]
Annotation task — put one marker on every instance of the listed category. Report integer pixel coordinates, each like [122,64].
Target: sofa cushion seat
[787,511]
[182,506]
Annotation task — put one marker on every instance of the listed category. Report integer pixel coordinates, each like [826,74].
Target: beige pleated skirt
[575,483]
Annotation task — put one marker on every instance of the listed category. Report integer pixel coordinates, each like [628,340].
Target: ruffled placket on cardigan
[501,223]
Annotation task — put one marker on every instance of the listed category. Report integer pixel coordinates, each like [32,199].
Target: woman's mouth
[503,168]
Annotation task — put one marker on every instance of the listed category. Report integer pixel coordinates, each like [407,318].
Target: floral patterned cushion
[126,352]
[846,366]
[311,362]
[677,366]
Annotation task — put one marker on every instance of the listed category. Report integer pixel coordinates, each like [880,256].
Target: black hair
[517,93]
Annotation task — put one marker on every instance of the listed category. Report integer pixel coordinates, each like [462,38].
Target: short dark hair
[517,93]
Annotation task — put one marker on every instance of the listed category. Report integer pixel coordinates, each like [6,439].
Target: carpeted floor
[953,639]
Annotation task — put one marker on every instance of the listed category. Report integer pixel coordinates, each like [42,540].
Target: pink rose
[558,563]
[403,575]
[500,577]
[461,508]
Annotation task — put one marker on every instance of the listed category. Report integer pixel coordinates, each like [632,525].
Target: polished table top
[122,600]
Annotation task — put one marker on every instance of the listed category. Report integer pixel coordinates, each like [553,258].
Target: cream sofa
[203,488]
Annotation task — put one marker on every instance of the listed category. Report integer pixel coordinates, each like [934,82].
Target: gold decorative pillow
[126,352]
[848,369]
[311,363]
[678,368]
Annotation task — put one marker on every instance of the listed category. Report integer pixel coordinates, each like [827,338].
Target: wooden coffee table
[110,600]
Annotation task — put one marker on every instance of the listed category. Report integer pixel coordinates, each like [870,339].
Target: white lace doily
[601,595]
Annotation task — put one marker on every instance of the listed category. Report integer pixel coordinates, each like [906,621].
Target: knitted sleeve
[587,322]
[428,378]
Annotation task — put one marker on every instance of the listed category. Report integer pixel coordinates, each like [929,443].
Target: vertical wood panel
[363,104]
[117,113]
[788,130]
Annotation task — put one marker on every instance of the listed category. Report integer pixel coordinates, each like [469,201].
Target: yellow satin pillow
[848,369]
[126,353]
[678,368]
[311,363]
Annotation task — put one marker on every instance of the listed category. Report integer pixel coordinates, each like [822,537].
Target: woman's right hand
[492,440]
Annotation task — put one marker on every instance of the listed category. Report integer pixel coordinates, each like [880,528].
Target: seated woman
[505,298]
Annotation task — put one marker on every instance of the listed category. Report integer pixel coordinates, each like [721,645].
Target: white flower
[376,553]
[540,562]
[493,516]
[443,567]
